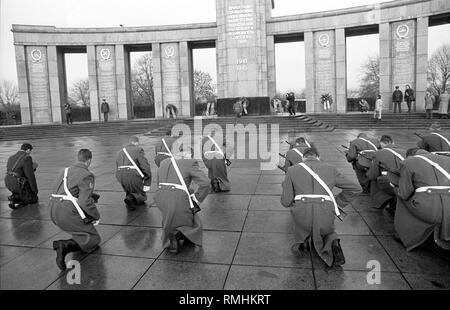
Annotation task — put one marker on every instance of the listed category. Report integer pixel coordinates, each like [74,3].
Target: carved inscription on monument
[39,84]
[325,64]
[240,22]
[106,70]
[171,74]
[403,62]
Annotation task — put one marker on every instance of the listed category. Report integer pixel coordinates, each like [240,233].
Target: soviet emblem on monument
[324,40]
[105,54]
[36,55]
[402,31]
[170,51]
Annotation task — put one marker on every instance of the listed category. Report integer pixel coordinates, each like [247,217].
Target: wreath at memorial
[326,100]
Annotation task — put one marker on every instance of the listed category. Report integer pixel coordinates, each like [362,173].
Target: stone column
[157,82]
[403,36]
[309,72]
[421,63]
[39,86]
[325,68]
[242,48]
[271,67]
[107,79]
[171,75]
[93,83]
[23,86]
[54,84]
[122,106]
[385,66]
[185,80]
[341,71]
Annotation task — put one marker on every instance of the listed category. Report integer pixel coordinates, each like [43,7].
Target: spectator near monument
[429,103]
[364,106]
[397,98]
[105,110]
[444,99]
[68,110]
[409,97]
[290,97]
[378,109]
[171,111]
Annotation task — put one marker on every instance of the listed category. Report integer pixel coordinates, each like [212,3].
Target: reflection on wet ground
[247,237]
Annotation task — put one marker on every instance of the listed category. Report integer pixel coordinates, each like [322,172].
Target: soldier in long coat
[214,158]
[76,181]
[160,150]
[384,171]
[314,215]
[435,141]
[179,221]
[295,153]
[133,173]
[359,154]
[423,204]
[20,179]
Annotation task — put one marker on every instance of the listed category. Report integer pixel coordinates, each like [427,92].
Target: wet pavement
[247,233]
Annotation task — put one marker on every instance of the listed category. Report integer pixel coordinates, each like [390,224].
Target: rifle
[281,168]
[282,155]
[418,135]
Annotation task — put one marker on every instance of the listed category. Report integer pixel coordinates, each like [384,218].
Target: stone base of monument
[258,106]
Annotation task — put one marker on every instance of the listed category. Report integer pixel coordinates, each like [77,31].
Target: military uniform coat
[174,203]
[24,169]
[80,182]
[160,148]
[132,183]
[217,168]
[384,160]
[419,214]
[315,220]
[434,143]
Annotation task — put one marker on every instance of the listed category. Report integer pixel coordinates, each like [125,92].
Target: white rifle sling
[133,163]
[182,184]
[435,165]
[325,186]
[395,153]
[298,152]
[370,142]
[68,196]
[307,143]
[442,137]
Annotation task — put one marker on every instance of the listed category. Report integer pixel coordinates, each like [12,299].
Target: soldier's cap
[435,126]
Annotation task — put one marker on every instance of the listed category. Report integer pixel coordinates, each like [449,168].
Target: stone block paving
[247,233]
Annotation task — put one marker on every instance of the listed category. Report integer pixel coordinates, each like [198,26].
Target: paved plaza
[247,233]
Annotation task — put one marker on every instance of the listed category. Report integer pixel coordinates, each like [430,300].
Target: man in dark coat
[359,154]
[215,159]
[105,110]
[295,153]
[313,207]
[290,97]
[72,209]
[397,98]
[160,150]
[133,173]
[435,141]
[180,221]
[384,171]
[409,97]
[423,204]
[20,178]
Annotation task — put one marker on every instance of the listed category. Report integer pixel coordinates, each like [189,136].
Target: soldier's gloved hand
[95,223]
[146,188]
[196,204]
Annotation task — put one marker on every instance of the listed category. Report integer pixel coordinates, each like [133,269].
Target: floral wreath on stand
[326,100]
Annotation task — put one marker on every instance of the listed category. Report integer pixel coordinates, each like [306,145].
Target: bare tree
[9,94]
[142,81]
[203,86]
[79,92]
[439,70]
[370,78]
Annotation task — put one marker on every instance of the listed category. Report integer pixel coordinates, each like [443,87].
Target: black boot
[62,248]
[338,255]
[174,238]
[130,202]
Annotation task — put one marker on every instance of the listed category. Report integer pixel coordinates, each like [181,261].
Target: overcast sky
[106,13]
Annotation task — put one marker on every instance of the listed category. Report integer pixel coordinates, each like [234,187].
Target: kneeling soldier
[295,154]
[215,160]
[73,209]
[307,190]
